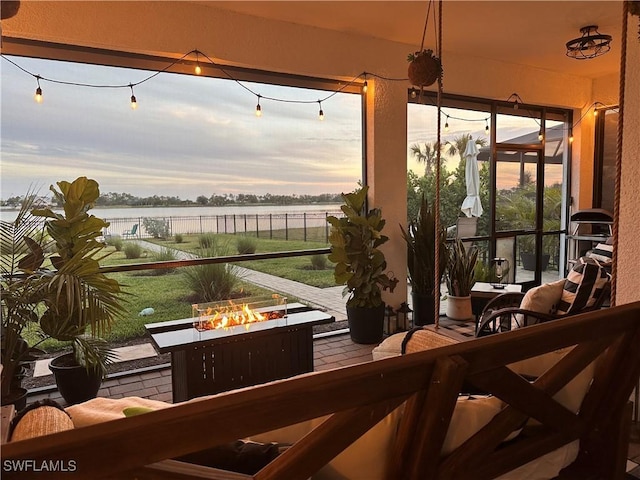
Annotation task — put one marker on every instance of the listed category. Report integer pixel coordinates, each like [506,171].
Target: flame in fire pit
[232,315]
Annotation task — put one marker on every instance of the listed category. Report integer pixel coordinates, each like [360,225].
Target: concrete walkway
[326,299]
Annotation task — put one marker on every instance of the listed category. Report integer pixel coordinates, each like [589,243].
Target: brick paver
[329,352]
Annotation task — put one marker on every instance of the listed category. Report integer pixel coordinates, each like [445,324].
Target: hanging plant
[634,9]
[9,8]
[424,68]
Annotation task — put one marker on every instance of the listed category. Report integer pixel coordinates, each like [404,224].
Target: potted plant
[460,278]
[21,242]
[80,302]
[421,239]
[424,68]
[360,265]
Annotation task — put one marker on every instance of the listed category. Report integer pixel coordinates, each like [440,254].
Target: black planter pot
[75,383]
[16,397]
[423,308]
[529,261]
[365,324]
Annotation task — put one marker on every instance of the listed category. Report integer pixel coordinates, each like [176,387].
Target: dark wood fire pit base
[213,361]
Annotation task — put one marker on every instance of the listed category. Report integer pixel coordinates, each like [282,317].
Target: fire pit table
[205,360]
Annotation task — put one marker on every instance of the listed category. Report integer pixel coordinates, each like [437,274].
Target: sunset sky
[191,135]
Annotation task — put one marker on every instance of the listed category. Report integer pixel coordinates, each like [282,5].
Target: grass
[167,294]
[171,298]
[298,269]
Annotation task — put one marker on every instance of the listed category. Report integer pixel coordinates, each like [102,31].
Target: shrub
[246,245]
[178,238]
[156,227]
[132,250]
[164,255]
[207,240]
[318,262]
[115,242]
[215,281]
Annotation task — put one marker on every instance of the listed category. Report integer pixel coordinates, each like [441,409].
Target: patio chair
[132,232]
[586,288]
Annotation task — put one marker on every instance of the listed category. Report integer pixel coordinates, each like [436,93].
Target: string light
[486,126]
[540,135]
[517,101]
[38,95]
[446,123]
[258,108]
[134,102]
[198,69]
[320,113]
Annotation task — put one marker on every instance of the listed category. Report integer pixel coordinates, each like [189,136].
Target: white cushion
[390,347]
[543,299]
[572,394]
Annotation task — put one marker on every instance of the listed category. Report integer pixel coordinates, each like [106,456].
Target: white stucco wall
[628,266]
[174,28]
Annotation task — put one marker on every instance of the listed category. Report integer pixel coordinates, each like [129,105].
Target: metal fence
[306,226]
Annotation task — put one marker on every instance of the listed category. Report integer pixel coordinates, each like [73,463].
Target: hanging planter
[424,68]
[9,8]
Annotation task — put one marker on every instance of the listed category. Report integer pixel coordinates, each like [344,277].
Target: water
[198,220]
[9,215]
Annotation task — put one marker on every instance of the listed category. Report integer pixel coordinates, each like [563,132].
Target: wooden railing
[357,397]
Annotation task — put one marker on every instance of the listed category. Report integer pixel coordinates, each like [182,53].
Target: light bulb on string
[134,102]
[320,113]
[540,135]
[258,108]
[446,124]
[571,135]
[364,87]
[486,126]
[414,94]
[38,94]
[198,69]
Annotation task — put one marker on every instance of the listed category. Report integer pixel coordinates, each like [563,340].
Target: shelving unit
[588,228]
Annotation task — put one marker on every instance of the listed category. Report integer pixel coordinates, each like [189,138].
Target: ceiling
[532,33]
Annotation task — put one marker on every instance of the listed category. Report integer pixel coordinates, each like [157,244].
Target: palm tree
[459,144]
[429,155]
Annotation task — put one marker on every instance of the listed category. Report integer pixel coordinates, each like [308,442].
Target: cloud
[189,135]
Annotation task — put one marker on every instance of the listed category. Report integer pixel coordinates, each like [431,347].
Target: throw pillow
[43,417]
[602,253]
[543,299]
[583,286]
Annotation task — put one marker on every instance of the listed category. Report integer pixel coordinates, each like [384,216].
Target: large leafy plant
[355,239]
[81,302]
[421,239]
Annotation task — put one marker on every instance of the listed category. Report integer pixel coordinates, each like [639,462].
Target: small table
[482,292]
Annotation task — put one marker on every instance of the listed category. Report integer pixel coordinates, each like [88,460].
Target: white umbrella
[471,205]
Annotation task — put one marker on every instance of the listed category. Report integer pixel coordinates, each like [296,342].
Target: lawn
[298,269]
[168,295]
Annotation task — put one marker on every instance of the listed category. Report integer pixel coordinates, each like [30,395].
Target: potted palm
[421,238]
[460,278]
[360,265]
[80,301]
[21,242]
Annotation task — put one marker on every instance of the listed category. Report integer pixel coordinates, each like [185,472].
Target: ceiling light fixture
[590,45]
